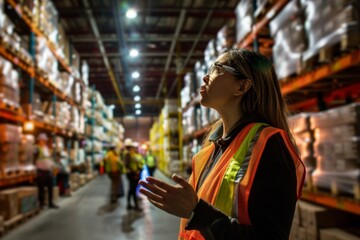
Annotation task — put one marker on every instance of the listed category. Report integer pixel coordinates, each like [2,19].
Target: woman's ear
[243,87]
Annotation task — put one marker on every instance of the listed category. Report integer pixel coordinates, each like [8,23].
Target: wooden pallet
[10,173]
[31,214]
[12,223]
[10,108]
[349,41]
[336,190]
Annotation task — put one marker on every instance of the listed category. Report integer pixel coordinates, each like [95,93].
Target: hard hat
[42,136]
[128,142]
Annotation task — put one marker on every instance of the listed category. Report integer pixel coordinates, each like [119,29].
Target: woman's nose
[206,78]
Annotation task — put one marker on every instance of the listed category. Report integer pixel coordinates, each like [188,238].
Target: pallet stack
[331,26]
[337,150]
[313,222]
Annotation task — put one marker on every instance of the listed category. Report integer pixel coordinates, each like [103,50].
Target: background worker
[133,169]
[114,168]
[44,165]
[150,161]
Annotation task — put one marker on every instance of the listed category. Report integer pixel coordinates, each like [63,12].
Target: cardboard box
[8,203]
[27,199]
[337,234]
[315,217]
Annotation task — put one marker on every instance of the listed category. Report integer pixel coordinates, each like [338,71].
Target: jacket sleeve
[272,201]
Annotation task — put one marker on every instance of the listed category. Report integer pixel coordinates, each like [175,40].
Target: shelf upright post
[180,135]
[54,114]
[321,104]
[255,41]
[32,44]
[92,126]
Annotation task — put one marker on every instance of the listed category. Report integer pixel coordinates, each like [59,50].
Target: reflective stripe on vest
[225,169]
[226,198]
[150,161]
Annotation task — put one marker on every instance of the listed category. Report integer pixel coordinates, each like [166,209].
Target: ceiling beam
[103,53]
[141,54]
[152,38]
[147,101]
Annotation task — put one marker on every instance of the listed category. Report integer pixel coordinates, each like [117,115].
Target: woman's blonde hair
[264,98]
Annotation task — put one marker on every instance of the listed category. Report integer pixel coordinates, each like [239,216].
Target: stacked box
[63,43]
[9,149]
[338,234]
[225,37]
[66,82]
[2,228]
[74,181]
[48,17]
[9,84]
[46,62]
[9,203]
[210,53]
[27,199]
[337,148]
[199,73]
[26,152]
[329,23]
[287,30]
[85,72]
[310,219]
[303,134]
[244,19]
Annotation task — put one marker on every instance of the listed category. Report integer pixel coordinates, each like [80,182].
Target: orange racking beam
[342,63]
[333,201]
[262,23]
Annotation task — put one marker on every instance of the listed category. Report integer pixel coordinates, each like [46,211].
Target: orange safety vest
[222,187]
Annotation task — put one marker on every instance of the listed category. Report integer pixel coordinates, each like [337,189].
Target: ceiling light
[138,112]
[136,88]
[134,53]
[138,105]
[131,13]
[137,98]
[135,75]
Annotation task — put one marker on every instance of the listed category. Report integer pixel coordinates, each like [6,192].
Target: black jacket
[272,198]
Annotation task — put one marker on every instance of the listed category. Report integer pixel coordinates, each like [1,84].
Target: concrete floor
[87,215]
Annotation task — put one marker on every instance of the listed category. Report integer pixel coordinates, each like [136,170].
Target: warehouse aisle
[88,216]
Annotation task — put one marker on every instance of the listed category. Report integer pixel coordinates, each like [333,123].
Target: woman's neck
[229,121]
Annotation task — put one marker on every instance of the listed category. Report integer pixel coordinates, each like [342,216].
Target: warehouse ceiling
[170,35]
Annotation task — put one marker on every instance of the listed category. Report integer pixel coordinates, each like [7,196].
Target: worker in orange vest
[247,178]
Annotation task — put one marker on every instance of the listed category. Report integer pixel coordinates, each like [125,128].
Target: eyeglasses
[220,69]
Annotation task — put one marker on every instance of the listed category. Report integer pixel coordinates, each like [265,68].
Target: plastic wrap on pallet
[48,19]
[66,82]
[244,20]
[10,138]
[190,82]
[348,114]
[199,71]
[210,53]
[26,152]
[225,37]
[330,23]
[189,121]
[185,96]
[303,134]
[290,40]
[85,72]
[337,148]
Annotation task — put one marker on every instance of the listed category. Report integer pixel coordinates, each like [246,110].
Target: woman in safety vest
[247,178]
